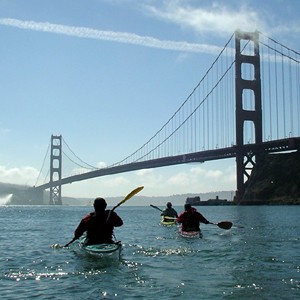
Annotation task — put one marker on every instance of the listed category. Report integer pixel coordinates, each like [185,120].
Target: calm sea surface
[259,258]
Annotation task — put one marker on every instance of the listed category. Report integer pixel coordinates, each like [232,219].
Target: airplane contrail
[120,37]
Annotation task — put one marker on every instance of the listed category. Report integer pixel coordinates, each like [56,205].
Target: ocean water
[259,258]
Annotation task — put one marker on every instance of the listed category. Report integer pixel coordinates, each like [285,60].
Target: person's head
[99,204]
[188,207]
[169,205]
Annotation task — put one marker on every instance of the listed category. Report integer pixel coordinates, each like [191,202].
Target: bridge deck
[282,145]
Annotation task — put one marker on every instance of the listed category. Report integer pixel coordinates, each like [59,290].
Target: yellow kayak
[167,222]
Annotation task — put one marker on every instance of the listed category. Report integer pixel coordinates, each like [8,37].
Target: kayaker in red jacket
[191,219]
[99,229]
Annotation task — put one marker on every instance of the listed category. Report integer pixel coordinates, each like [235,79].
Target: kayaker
[170,212]
[191,219]
[99,229]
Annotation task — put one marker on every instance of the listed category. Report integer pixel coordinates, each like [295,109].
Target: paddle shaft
[170,218]
[130,195]
[155,207]
[67,245]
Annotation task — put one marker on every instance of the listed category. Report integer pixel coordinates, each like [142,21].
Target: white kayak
[190,234]
[112,250]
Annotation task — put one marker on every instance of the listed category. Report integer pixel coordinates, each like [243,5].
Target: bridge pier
[246,57]
[55,170]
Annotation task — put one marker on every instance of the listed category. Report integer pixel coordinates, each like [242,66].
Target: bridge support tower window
[246,56]
[55,170]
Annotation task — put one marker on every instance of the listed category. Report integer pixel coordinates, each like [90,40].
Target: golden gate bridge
[246,104]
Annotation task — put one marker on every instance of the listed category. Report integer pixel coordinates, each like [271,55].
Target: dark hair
[188,206]
[169,204]
[99,204]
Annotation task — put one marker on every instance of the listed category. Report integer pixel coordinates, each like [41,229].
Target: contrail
[120,37]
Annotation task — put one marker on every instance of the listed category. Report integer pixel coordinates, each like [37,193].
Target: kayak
[103,250]
[190,234]
[167,222]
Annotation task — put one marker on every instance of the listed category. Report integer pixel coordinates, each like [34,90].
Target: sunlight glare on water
[257,259]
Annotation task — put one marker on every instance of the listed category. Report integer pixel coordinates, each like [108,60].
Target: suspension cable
[90,166]
[43,163]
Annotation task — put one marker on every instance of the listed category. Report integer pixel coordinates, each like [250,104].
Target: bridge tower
[247,57]
[55,169]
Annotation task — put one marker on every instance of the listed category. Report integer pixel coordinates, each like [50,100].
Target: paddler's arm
[115,220]
[81,228]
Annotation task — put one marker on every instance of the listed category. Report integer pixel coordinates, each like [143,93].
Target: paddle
[130,195]
[224,224]
[67,245]
[170,218]
[155,207]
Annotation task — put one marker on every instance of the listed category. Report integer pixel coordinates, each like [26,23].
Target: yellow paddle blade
[130,195]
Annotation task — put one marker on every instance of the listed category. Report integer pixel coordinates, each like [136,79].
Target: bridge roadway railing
[281,145]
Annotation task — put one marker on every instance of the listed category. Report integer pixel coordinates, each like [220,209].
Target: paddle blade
[130,195]
[225,225]
[155,207]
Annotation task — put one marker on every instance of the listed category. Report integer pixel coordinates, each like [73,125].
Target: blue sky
[106,75]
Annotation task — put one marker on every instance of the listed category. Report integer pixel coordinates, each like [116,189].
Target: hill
[177,200]
[275,180]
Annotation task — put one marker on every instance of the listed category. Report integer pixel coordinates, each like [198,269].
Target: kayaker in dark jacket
[191,219]
[170,212]
[99,229]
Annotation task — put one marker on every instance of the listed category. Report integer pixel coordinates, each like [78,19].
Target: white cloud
[22,176]
[120,37]
[214,174]
[292,28]
[144,172]
[101,164]
[179,180]
[198,171]
[217,18]
[157,183]
[115,182]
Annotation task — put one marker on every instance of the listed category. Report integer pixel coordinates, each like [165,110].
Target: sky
[107,74]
